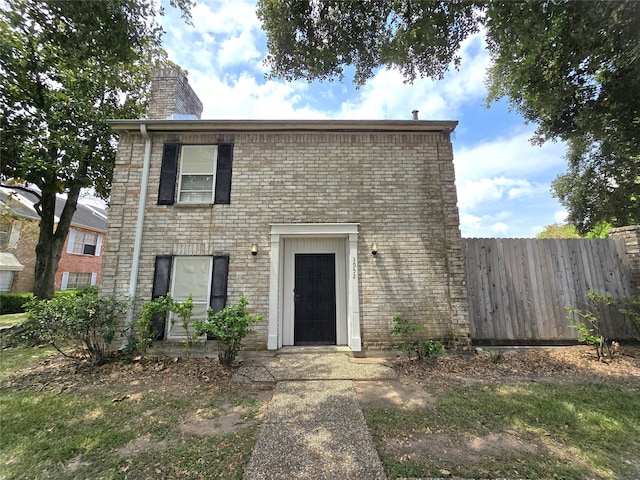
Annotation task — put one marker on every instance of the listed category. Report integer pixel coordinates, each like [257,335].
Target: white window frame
[173,322]
[74,239]
[67,276]
[184,154]
[6,281]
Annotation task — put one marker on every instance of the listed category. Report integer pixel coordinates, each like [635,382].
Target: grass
[582,431]
[13,359]
[12,319]
[47,435]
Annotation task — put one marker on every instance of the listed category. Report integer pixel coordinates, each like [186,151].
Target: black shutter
[161,286]
[223,173]
[168,173]
[218,298]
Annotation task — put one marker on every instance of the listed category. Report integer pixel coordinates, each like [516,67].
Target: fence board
[518,288]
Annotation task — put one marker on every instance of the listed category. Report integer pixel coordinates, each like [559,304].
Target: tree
[571,67]
[316,39]
[67,67]
[556,230]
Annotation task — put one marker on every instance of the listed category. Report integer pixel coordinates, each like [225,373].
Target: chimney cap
[415,114]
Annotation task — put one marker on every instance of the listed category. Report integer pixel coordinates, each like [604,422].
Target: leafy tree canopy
[557,230]
[571,67]
[66,68]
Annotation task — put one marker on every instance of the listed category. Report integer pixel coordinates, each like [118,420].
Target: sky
[503,181]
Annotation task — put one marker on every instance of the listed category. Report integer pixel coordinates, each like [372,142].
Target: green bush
[80,319]
[229,326]
[422,349]
[14,302]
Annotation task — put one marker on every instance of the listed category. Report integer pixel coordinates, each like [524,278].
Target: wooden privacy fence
[518,288]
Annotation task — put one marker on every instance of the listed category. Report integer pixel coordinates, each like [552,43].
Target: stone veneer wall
[631,237]
[398,186]
[171,94]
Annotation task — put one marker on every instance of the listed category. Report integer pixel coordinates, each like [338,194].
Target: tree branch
[24,189]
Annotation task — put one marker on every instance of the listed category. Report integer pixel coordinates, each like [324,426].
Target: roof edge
[445,126]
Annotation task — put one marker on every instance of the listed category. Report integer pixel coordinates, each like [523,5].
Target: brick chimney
[172,97]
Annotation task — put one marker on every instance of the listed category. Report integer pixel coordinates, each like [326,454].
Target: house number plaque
[354,267]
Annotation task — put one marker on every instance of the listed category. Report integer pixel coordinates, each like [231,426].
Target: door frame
[280,329]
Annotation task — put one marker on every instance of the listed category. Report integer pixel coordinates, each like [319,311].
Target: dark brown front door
[315,299]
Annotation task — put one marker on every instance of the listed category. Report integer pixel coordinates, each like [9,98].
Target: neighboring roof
[9,262]
[86,216]
[287,125]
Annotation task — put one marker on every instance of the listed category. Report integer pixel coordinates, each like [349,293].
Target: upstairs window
[199,173]
[84,243]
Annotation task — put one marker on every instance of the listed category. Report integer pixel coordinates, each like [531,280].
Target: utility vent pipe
[415,114]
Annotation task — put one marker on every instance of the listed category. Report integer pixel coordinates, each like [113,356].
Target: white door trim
[280,232]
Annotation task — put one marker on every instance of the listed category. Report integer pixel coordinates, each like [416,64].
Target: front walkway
[314,427]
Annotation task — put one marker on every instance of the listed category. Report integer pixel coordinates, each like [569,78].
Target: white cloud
[474,193]
[386,96]
[561,216]
[512,156]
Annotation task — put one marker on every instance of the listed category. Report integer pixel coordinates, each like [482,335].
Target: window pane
[78,280]
[6,279]
[192,276]
[198,159]
[197,183]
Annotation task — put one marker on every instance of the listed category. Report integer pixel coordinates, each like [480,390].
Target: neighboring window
[197,173]
[84,243]
[5,233]
[202,174]
[204,278]
[6,280]
[73,280]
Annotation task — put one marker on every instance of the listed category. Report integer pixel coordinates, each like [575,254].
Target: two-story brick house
[81,257]
[329,228]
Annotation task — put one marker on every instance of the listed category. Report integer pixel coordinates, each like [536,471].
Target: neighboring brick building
[81,259]
[329,228]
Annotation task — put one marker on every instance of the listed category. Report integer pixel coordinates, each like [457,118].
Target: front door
[315,299]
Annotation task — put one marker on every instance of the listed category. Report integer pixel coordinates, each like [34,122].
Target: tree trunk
[51,240]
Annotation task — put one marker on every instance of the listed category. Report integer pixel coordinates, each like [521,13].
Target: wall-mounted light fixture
[374,249]
[254,249]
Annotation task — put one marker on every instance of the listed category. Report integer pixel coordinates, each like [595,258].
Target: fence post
[631,237]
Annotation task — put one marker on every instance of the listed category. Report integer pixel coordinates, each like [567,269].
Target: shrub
[229,326]
[14,302]
[154,312]
[81,319]
[422,349]
[589,327]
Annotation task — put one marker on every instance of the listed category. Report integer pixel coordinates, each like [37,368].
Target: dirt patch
[563,364]
[227,418]
[456,449]
[140,445]
[404,394]
[122,380]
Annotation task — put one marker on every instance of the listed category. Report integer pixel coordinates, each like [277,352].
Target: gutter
[137,246]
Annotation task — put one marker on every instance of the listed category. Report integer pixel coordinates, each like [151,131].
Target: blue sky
[503,180]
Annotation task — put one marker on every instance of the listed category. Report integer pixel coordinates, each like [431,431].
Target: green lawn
[569,431]
[46,433]
[12,319]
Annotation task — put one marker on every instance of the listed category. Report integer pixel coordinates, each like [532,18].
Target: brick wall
[631,237]
[25,252]
[398,186]
[75,263]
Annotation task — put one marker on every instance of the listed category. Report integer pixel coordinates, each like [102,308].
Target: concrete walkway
[314,427]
